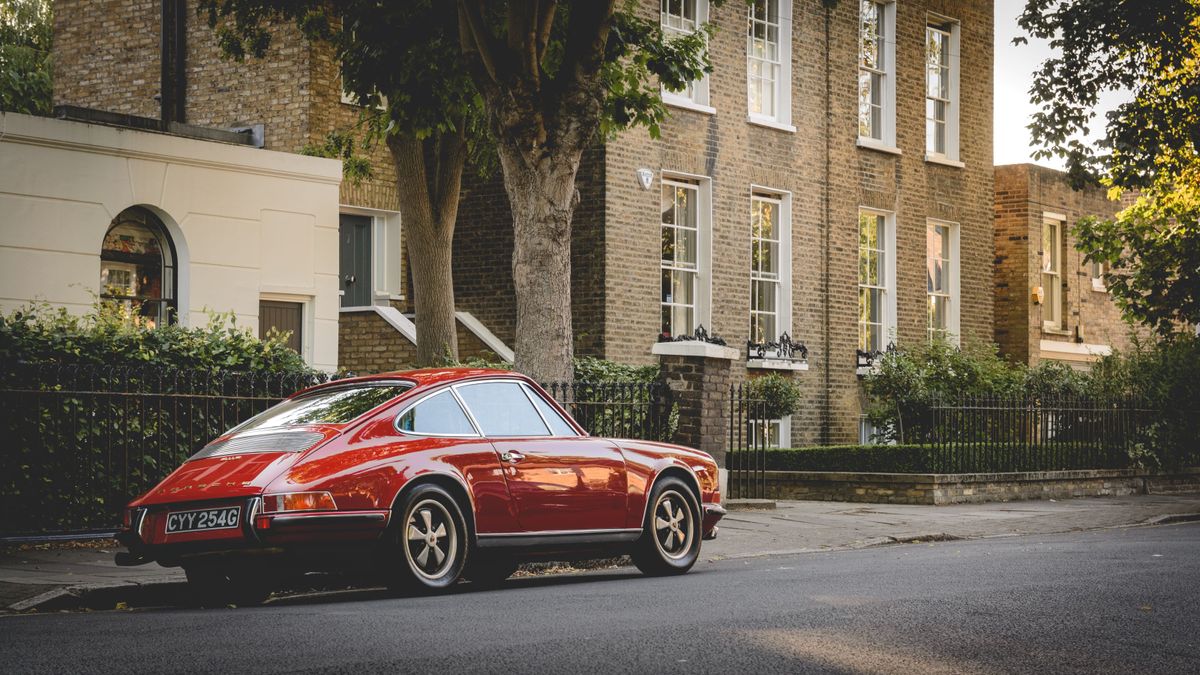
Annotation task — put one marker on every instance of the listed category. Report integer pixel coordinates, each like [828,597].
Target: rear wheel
[428,542]
[670,541]
[214,586]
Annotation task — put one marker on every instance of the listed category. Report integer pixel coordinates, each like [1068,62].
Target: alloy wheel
[431,539]
[673,525]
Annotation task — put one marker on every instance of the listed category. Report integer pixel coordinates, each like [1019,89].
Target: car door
[558,479]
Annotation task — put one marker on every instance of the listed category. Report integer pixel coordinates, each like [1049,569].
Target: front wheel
[428,542]
[670,541]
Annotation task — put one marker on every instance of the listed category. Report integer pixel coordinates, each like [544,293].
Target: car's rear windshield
[326,406]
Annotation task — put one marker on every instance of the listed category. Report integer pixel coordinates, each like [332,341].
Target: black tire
[213,586]
[670,541]
[489,571]
[427,542]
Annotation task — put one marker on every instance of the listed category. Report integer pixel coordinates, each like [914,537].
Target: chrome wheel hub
[431,540]
[673,526]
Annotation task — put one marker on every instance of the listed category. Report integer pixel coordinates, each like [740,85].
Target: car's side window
[558,426]
[502,409]
[438,415]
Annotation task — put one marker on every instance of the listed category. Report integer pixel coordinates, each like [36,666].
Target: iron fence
[642,410]
[750,439]
[983,434]
[79,441]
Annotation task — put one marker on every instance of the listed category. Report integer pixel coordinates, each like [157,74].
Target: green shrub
[41,334]
[780,396]
[852,458]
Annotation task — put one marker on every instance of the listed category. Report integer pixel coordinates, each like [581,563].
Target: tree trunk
[428,209]
[541,192]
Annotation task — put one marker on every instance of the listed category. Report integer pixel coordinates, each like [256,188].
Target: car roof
[423,377]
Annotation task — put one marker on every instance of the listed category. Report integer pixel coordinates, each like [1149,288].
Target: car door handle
[512,456]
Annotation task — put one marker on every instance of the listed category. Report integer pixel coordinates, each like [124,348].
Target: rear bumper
[324,533]
[713,513]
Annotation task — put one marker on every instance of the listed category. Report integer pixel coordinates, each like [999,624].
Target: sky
[1014,75]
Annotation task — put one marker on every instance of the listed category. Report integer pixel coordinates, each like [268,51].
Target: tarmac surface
[1114,600]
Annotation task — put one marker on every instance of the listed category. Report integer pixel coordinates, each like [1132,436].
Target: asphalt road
[1121,600]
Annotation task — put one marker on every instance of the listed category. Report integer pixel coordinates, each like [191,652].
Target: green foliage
[1150,146]
[341,145]
[40,334]
[1164,377]
[780,395]
[26,30]
[854,458]
[591,369]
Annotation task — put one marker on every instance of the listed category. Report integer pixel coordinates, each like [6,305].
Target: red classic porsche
[426,476]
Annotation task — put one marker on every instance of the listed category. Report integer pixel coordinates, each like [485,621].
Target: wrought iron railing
[79,441]
[642,410]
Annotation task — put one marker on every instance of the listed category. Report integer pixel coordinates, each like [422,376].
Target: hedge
[856,458]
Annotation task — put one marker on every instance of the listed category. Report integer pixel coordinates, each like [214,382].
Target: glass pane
[685,247]
[685,207]
[681,320]
[769,252]
[869,272]
[558,426]
[668,244]
[764,295]
[668,205]
[501,409]
[336,406]
[683,288]
[868,230]
[438,415]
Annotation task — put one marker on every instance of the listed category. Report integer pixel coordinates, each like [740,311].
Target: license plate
[223,518]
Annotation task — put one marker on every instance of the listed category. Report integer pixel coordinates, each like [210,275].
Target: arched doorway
[138,268]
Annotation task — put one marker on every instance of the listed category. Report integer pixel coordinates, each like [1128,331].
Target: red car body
[551,496]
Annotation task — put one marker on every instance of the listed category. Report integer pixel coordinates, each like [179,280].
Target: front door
[561,484]
[355,264]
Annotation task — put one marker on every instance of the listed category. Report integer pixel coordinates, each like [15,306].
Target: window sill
[777,364]
[695,348]
[685,104]
[878,146]
[770,123]
[1098,286]
[944,161]
[1056,331]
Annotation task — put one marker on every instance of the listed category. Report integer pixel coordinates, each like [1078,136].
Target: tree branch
[475,37]
[545,23]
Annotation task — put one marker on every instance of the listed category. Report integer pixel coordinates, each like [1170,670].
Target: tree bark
[541,192]
[428,208]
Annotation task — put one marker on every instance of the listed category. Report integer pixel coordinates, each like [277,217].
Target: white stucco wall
[246,223]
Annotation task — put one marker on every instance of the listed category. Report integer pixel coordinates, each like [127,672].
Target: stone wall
[895,488]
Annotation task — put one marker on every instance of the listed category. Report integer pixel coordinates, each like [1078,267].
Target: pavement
[1120,600]
[60,575]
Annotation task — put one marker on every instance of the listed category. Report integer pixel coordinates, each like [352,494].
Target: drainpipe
[827,395]
[172,61]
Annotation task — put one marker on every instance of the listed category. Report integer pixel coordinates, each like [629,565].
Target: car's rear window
[327,406]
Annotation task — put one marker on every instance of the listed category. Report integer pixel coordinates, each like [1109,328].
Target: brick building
[834,133]
[111,56]
[1050,303]
[830,180]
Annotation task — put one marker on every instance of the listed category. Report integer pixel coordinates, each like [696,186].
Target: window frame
[887,325]
[951,29]
[783,280]
[886,140]
[170,269]
[781,117]
[702,274]
[699,99]
[436,392]
[1097,271]
[953,292]
[1053,291]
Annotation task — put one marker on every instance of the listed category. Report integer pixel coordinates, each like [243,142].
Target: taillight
[299,501]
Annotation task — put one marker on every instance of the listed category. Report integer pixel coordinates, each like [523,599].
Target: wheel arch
[674,470]
[451,484]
